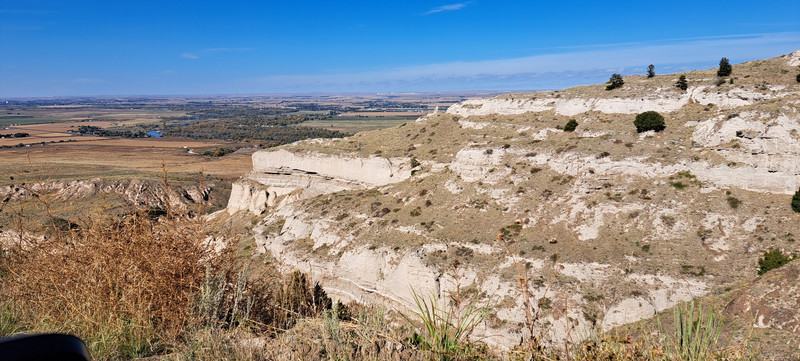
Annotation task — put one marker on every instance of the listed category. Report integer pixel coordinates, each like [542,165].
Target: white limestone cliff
[755,151]
[656,101]
[289,176]
[367,172]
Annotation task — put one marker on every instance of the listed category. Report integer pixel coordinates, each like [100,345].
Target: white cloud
[577,66]
[449,7]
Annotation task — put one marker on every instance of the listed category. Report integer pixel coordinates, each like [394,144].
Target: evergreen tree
[615,81]
[796,201]
[772,259]
[651,71]
[681,84]
[725,68]
[649,121]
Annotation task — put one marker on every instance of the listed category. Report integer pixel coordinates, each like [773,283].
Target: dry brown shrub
[125,286]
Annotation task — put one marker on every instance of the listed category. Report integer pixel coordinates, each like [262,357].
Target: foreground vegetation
[166,285]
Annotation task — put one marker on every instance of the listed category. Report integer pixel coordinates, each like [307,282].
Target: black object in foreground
[43,347]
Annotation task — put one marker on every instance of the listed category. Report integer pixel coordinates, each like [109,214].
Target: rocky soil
[608,226]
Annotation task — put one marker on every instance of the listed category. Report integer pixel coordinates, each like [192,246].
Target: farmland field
[85,138]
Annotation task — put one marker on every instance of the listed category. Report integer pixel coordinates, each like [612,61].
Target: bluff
[605,226]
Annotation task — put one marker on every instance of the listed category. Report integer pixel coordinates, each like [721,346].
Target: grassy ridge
[182,297]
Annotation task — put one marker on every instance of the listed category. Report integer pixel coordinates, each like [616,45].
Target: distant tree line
[101,132]
[14,135]
[255,131]
[269,126]
[267,116]
[315,107]
[388,104]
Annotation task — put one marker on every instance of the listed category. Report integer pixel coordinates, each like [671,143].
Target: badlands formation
[608,226]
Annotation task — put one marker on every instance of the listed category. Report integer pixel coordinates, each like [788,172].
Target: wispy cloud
[203,52]
[448,7]
[88,80]
[575,66]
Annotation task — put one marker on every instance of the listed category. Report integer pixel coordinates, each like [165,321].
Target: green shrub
[219,152]
[615,81]
[798,78]
[681,83]
[796,201]
[725,68]
[649,121]
[734,202]
[571,125]
[651,71]
[678,185]
[772,259]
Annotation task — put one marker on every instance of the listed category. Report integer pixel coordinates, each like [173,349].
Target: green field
[6,120]
[359,124]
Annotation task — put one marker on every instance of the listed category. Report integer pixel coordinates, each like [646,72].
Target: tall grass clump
[695,335]
[447,324]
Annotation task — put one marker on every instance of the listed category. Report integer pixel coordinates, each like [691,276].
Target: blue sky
[116,47]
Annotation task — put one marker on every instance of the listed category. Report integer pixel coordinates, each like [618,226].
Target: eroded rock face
[763,152]
[573,106]
[773,297]
[793,59]
[647,227]
[288,176]
[568,107]
[135,192]
[368,172]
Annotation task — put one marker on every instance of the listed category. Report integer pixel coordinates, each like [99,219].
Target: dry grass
[124,286]
[119,158]
[137,285]
[144,287]
[140,286]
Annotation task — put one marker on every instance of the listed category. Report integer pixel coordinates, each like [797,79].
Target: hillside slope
[609,225]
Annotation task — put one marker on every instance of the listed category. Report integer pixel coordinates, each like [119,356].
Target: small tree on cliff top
[725,67]
[615,81]
[681,83]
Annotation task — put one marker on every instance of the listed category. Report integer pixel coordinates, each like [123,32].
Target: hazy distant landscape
[451,181]
[93,134]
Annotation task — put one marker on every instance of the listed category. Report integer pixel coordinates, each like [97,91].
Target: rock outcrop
[773,299]
[729,99]
[366,172]
[281,173]
[135,192]
[605,226]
